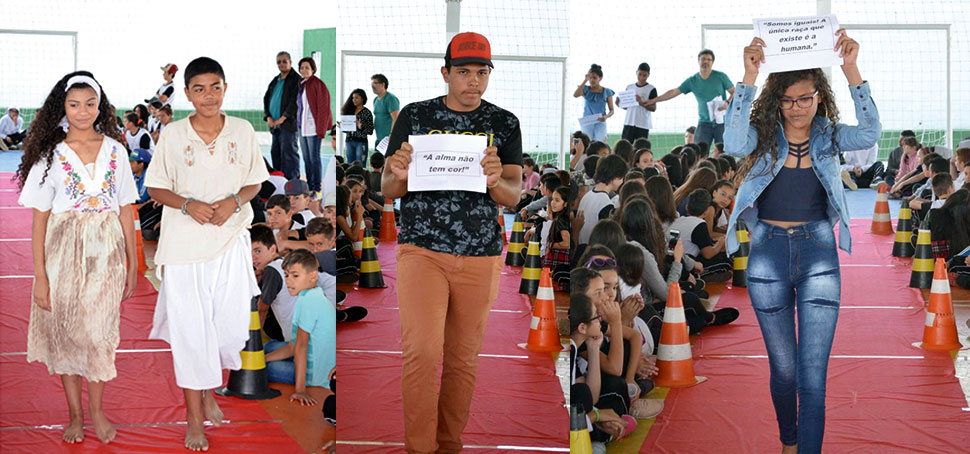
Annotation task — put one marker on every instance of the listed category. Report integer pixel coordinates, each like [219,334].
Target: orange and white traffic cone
[139,245]
[388,230]
[673,354]
[882,222]
[940,332]
[544,332]
[358,244]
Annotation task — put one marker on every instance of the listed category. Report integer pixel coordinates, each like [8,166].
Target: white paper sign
[627,99]
[382,147]
[348,123]
[794,43]
[447,162]
[712,110]
[589,120]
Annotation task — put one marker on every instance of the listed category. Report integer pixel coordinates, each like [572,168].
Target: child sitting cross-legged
[310,355]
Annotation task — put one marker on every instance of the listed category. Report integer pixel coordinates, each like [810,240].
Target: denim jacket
[740,139]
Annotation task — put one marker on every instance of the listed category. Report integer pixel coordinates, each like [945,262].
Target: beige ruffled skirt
[85,257]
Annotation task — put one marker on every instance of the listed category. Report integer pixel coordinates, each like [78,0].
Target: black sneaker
[719,276]
[351,314]
[724,316]
[347,278]
[963,280]
[341,296]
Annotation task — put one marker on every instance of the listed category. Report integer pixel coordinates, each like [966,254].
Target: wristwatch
[238,203]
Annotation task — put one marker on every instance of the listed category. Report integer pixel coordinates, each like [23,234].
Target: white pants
[203,312]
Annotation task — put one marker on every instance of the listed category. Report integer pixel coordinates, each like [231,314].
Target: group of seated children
[640,231]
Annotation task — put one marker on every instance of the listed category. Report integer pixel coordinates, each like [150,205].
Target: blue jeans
[709,132]
[356,151]
[282,371]
[796,270]
[311,160]
[596,131]
[284,152]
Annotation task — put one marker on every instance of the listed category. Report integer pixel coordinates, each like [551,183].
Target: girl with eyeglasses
[792,197]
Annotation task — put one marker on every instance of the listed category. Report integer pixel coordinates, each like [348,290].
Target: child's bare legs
[72,389]
[194,434]
[210,408]
[106,432]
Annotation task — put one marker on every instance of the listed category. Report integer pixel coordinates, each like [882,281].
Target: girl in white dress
[75,176]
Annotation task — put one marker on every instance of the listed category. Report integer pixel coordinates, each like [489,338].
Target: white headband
[82,79]
[79,79]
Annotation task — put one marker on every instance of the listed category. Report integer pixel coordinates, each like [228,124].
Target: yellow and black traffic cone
[902,245]
[513,257]
[370,268]
[741,256]
[579,442]
[249,382]
[531,271]
[922,276]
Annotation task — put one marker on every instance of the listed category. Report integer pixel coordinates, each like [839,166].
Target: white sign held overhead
[348,123]
[793,43]
[627,99]
[442,162]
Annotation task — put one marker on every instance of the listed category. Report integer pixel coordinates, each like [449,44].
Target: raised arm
[740,138]
[867,132]
[579,89]
[670,94]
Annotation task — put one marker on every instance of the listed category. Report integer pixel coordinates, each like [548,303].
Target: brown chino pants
[444,303]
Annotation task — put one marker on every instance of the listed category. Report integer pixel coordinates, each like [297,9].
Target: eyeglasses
[804,102]
[595,318]
[281,61]
[596,262]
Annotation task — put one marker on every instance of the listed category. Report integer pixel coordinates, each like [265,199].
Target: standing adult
[707,84]
[638,119]
[356,143]
[596,100]
[11,129]
[386,108]
[449,248]
[313,119]
[167,90]
[792,197]
[279,111]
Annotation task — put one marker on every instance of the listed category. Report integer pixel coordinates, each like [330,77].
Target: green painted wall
[324,40]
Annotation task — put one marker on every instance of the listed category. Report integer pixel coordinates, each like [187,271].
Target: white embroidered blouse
[70,186]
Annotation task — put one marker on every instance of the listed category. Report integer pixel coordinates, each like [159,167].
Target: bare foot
[75,431]
[106,432]
[211,409]
[195,438]
[785,449]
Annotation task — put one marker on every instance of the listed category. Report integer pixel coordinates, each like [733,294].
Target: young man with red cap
[448,256]
[167,90]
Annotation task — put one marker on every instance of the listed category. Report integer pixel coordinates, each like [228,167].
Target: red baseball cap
[170,68]
[469,47]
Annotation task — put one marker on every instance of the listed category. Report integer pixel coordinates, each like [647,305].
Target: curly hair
[349,107]
[766,113]
[45,133]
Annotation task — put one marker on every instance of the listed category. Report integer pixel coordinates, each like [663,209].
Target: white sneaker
[847,179]
[875,183]
[3,145]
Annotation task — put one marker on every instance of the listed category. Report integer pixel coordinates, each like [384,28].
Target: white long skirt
[204,311]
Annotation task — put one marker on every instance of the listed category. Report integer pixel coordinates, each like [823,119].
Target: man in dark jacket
[279,111]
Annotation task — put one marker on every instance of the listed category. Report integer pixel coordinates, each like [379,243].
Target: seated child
[374,180]
[310,355]
[136,135]
[279,217]
[723,196]
[320,237]
[298,192]
[275,305]
[557,239]
[698,243]
[956,222]
[149,212]
[349,218]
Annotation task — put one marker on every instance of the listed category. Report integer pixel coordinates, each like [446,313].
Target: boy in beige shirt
[205,170]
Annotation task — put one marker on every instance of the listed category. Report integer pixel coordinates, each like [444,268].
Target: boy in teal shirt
[309,358]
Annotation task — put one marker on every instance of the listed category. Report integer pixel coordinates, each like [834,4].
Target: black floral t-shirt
[455,222]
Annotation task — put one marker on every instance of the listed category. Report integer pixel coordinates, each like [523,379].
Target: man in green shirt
[706,85]
[386,108]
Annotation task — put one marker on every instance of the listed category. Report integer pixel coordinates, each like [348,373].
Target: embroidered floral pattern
[74,188]
[233,155]
[189,156]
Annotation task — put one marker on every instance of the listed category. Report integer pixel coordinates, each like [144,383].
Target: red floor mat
[873,404]
[517,401]
[143,401]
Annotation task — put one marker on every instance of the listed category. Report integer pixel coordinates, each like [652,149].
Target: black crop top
[795,195]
